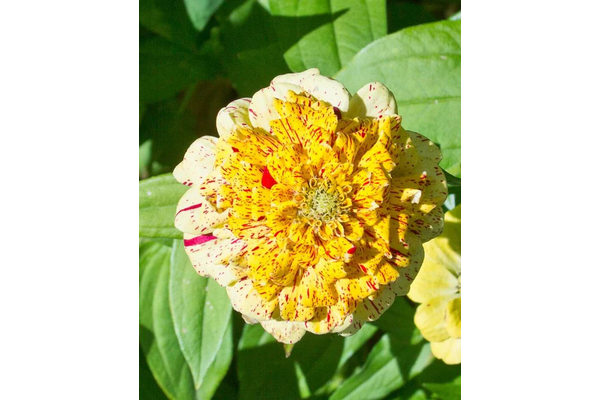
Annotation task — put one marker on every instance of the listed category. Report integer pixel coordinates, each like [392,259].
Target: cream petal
[198,162]
[448,351]
[284,331]
[321,87]
[401,286]
[235,114]
[370,309]
[372,100]
[195,215]
[262,108]
[214,257]
[246,300]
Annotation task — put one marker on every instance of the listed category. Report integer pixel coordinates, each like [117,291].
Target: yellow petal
[430,318]
[453,319]
[448,350]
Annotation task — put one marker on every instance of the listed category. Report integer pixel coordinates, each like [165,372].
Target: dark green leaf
[202,317]
[149,389]
[421,66]
[200,11]
[166,68]
[158,202]
[402,14]
[168,19]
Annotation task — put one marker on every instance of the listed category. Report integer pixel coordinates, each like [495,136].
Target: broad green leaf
[168,19]
[148,388]
[421,66]
[326,33]
[157,334]
[158,338]
[202,317]
[445,391]
[391,363]
[158,202]
[264,372]
[251,52]
[200,11]
[353,343]
[166,68]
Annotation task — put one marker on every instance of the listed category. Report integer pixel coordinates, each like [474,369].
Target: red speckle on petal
[352,250]
[235,150]
[267,180]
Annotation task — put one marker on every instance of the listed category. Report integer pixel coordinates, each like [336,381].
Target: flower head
[312,206]
[437,287]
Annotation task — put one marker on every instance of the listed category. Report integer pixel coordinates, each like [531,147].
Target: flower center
[321,201]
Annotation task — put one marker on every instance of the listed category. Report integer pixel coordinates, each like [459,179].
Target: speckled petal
[246,300]
[448,351]
[233,117]
[372,100]
[262,107]
[215,257]
[284,331]
[198,161]
[321,87]
[196,216]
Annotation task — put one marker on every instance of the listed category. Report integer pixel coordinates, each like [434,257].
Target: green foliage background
[195,57]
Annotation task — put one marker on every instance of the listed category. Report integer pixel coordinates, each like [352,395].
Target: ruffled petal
[372,100]
[453,318]
[284,331]
[430,318]
[262,107]
[448,351]
[196,216]
[434,280]
[215,257]
[198,162]
[233,117]
[321,87]
[246,300]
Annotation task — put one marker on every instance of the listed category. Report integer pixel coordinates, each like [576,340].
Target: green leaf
[421,66]
[353,343]
[265,372]
[158,339]
[202,319]
[168,19]
[445,391]
[327,33]
[157,335]
[402,14]
[200,11]
[166,68]
[391,363]
[148,388]
[251,51]
[158,203]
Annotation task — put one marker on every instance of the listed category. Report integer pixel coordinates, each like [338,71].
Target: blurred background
[195,57]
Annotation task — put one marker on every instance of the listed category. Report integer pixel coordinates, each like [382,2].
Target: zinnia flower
[438,289]
[312,206]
